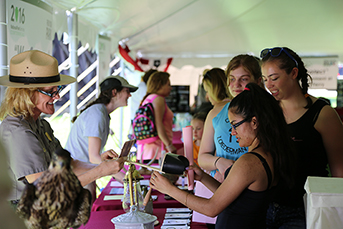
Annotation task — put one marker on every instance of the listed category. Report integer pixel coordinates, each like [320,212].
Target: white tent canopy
[201,32]
[197,34]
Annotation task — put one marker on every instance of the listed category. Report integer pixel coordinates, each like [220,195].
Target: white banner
[104,56]
[324,71]
[29,26]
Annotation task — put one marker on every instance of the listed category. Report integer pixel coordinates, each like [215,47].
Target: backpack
[143,125]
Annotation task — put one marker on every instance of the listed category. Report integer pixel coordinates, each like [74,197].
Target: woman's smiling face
[277,81]
[44,103]
[123,96]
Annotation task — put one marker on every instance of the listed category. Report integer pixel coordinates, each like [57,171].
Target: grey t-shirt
[29,145]
[93,122]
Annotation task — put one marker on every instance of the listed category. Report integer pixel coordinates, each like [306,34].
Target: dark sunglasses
[275,52]
[234,126]
[53,94]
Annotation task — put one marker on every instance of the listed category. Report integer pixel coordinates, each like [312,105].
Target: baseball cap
[112,82]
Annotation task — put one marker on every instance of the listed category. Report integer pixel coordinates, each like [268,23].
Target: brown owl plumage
[56,199]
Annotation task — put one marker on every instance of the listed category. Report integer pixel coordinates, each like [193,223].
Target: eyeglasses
[275,52]
[234,126]
[53,94]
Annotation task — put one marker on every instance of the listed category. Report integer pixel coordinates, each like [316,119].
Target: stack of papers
[179,210]
[177,218]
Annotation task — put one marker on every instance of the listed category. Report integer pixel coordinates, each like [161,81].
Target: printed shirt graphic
[226,144]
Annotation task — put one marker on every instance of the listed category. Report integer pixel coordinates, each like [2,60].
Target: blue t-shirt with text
[225,143]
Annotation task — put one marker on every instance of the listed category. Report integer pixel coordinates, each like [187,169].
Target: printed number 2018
[18,14]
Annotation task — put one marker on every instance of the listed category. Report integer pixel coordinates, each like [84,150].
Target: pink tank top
[150,148]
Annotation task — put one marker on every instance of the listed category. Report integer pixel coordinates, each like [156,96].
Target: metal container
[134,220]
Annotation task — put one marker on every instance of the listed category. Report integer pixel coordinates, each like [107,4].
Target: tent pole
[73,46]
[3,45]
[121,108]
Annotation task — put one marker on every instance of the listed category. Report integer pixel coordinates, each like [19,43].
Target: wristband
[215,163]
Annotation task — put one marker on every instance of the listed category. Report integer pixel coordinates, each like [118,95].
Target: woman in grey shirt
[33,85]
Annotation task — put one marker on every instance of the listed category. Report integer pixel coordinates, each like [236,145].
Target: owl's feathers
[56,199]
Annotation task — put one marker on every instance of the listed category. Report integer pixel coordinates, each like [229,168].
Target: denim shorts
[284,217]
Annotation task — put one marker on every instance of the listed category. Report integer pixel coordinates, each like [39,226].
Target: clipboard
[125,150]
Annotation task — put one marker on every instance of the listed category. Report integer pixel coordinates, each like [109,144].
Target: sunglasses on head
[275,52]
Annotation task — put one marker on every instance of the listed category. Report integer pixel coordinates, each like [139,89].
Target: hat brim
[64,79]
[131,88]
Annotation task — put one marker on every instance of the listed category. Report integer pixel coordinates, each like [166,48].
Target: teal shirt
[226,144]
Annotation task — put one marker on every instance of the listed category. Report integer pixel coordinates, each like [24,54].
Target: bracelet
[215,163]
[186,198]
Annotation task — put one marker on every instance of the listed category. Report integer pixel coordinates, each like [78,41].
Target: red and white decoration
[143,64]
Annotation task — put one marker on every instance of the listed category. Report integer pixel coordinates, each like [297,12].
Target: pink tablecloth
[104,210]
[105,205]
[102,219]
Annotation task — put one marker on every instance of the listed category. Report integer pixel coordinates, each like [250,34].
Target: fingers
[153,178]
[152,182]
[112,153]
[115,153]
[109,155]
[117,164]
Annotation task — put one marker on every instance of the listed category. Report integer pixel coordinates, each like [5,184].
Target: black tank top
[311,152]
[250,208]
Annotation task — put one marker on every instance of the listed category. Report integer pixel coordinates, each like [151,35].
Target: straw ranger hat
[34,69]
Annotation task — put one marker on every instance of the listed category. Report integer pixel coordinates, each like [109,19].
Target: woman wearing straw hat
[33,85]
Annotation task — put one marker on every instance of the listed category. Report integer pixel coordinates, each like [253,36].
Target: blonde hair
[215,81]
[155,82]
[18,102]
